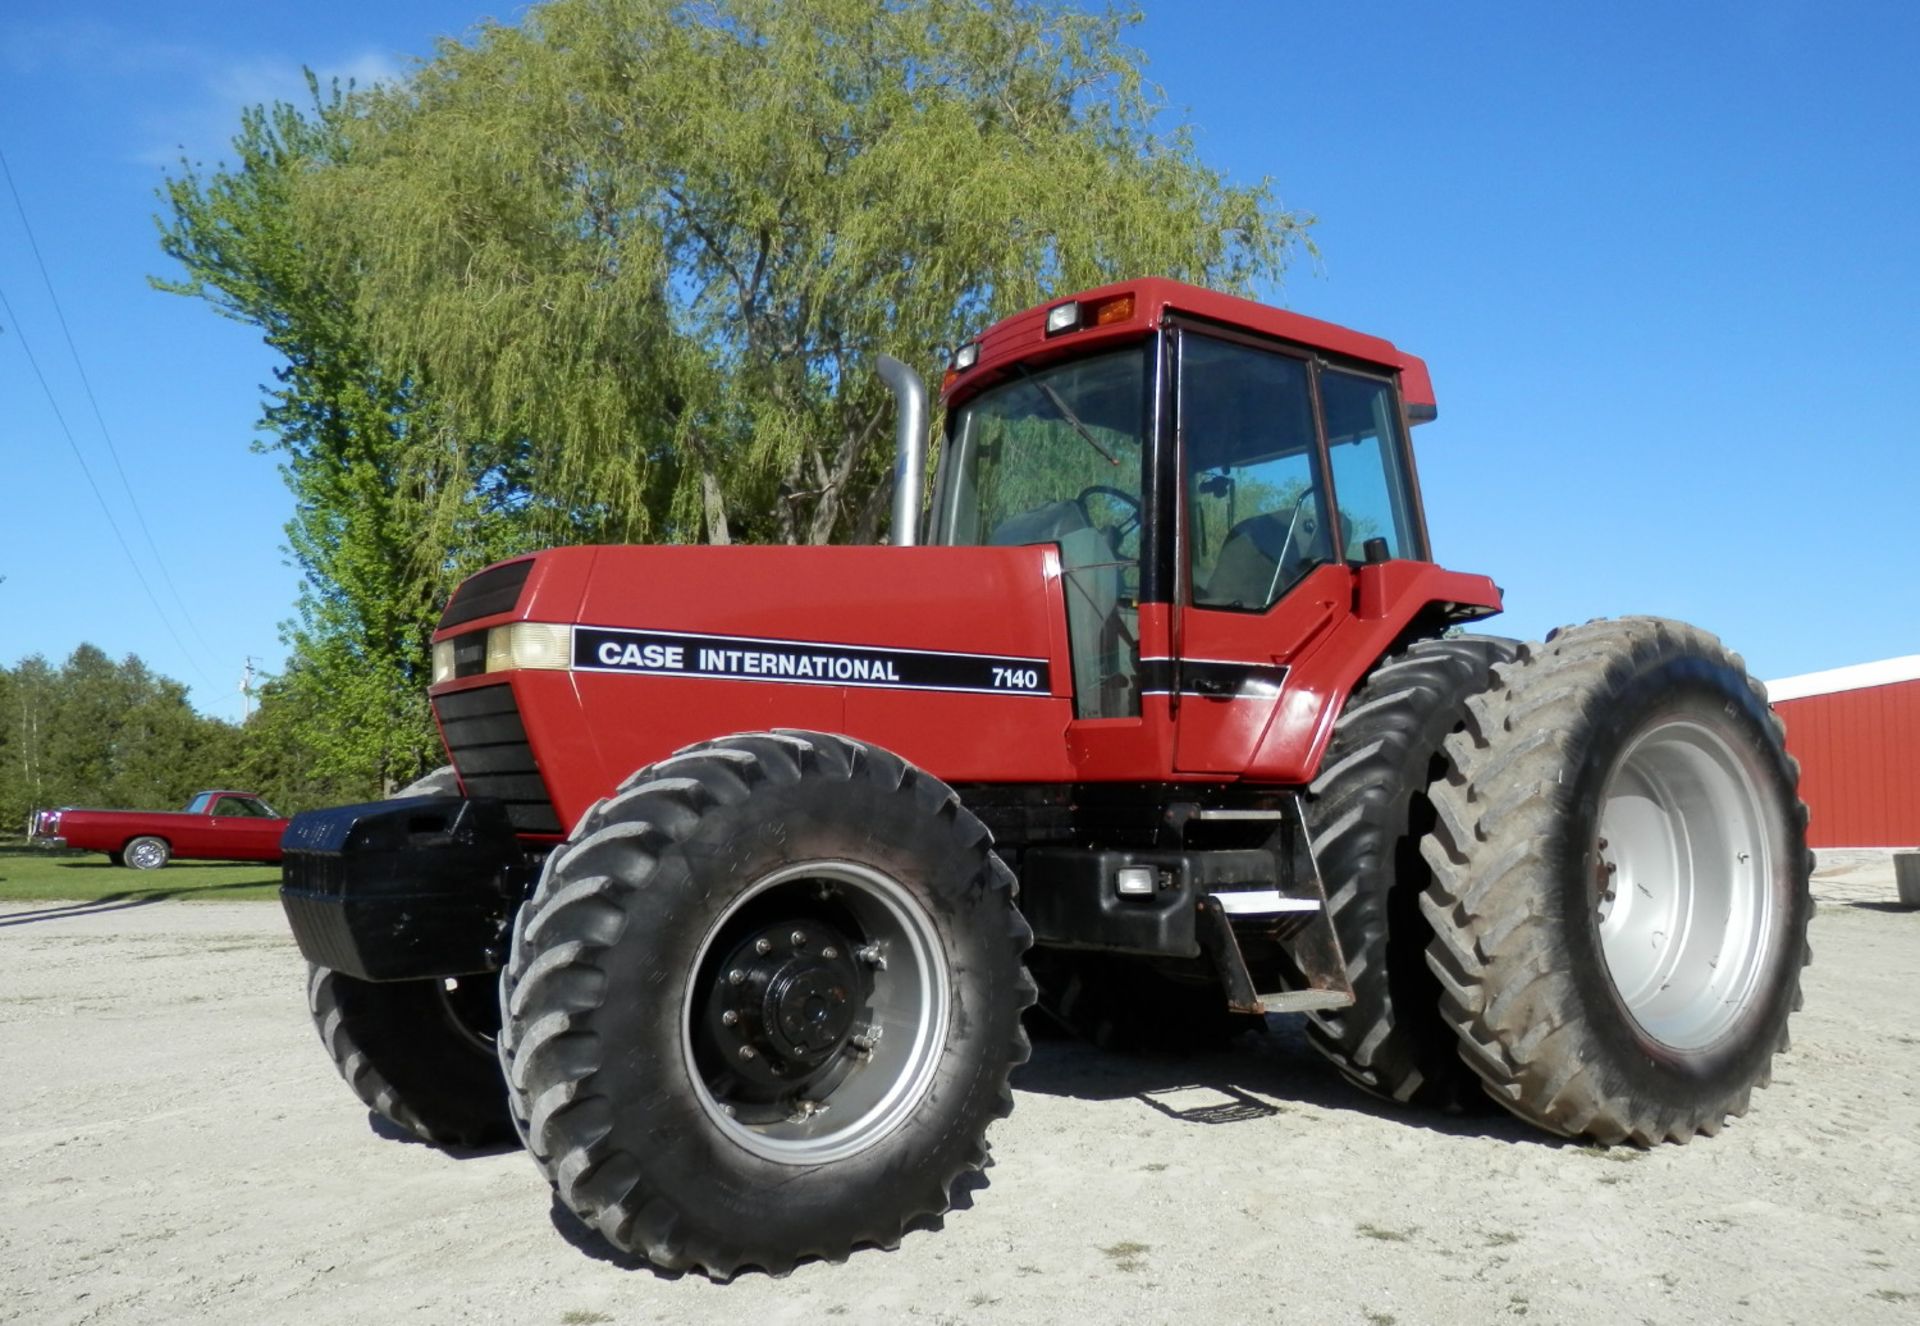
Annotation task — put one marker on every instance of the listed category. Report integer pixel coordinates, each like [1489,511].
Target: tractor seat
[1091,577]
[1247,574]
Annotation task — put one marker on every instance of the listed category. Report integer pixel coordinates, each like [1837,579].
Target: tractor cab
[1215,475]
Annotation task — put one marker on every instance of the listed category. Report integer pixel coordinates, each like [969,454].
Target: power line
[105,510]
[99,418]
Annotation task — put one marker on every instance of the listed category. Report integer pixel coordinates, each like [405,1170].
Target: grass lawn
[32,875]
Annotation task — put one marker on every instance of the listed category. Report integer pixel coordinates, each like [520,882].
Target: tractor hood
[558,675]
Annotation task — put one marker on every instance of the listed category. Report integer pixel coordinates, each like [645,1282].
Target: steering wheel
[1116,534]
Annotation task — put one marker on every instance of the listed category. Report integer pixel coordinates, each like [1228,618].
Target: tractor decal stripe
[804,662]
[1213,678]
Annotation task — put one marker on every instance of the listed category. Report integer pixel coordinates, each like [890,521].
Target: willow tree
[391,506]
[660,243]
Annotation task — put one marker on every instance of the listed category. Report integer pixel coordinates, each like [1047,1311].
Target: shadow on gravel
[120,902]
[1897,908]
[387,1130]
[1257,1077]
[586,1238]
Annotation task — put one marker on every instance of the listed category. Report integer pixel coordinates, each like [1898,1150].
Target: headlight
[527,645]
[442,661]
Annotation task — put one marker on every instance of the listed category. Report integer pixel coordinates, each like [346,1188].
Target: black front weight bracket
[405,890]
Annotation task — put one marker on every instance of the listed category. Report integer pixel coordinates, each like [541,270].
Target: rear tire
[1366,814]
[1619,895]
[637,1093]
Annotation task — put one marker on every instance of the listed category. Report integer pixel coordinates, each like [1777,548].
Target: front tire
[420,1054]
[764,1003]
[423,1055]
[1619,896]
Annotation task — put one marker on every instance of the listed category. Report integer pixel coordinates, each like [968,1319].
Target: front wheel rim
[876,1057]
[1683,885]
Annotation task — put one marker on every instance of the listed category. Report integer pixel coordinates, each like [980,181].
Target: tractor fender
[1391,602]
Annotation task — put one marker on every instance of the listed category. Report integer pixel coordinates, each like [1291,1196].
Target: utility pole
[246,691]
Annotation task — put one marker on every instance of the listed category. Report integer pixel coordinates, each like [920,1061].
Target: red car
[215,826]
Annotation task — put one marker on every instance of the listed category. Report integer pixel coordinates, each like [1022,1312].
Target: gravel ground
[174,1146]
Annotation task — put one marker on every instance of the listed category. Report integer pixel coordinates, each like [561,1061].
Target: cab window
[1369,476]
[1055,455]
[1252,467]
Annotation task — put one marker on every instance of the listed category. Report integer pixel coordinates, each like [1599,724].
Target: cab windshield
[1054,455]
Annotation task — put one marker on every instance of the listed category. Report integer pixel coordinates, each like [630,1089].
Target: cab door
[1260,581]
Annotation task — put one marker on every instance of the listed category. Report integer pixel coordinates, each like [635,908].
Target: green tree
[667,240]
[103,733]
[390,507]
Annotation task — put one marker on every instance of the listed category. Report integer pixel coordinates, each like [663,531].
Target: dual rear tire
[1619,899]
[1571,874]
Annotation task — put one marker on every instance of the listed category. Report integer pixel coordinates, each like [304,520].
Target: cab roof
[1023,337]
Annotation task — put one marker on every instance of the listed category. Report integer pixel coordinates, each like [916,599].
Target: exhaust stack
[910,448]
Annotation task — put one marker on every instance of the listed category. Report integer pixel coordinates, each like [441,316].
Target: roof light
[1114,308]
[967,357]
[1063,317]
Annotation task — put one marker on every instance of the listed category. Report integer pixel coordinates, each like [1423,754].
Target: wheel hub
[789,997]
[818,1015]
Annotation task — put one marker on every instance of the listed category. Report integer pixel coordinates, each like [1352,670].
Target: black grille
[470,654]
[496,589]
[489,748]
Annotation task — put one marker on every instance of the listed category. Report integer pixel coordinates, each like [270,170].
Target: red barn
[1856,733]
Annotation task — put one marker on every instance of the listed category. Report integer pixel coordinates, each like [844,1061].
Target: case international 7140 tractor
[731,913]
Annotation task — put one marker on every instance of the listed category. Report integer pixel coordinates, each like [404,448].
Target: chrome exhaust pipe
[909,448]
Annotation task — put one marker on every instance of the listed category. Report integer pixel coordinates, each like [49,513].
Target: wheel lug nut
[729,1017]
[829,953]
[763,945]
[746,1052]
[736,976]
[798,938]
[872,956]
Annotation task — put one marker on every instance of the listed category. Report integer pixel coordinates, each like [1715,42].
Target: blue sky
[1662,260]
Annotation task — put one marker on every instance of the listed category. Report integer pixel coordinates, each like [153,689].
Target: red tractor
[731,913]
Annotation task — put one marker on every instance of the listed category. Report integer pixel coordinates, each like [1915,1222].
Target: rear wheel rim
[846,1098]
[146,855]
[1683,895]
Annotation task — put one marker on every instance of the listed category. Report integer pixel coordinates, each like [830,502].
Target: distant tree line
[620,272]
[95,732]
